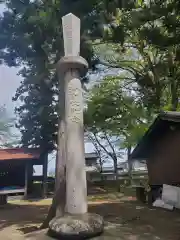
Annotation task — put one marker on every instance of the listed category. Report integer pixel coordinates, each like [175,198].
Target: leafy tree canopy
[31,37]
[142,37]
[112,110]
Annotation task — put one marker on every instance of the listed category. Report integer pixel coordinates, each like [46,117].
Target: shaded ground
[128,219]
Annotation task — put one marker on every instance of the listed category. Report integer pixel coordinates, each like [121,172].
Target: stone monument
[76,223]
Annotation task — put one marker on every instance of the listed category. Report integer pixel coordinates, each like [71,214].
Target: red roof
[19,153]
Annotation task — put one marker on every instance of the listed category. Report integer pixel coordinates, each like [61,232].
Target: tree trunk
[174,83]
[115,168]
[129,163]
[45,169]
[101,164]
[59,200]
[116,173]
[58,205]
[174,96]
[51,214]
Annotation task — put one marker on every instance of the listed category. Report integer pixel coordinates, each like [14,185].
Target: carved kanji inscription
[75,104]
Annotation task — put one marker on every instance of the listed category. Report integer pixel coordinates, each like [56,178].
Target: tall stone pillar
[77,222]
[73,67]
[76,190]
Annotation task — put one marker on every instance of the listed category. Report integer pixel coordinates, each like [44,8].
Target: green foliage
[137,40]
[139,43]
[111,109]
[31,37]
[143,40]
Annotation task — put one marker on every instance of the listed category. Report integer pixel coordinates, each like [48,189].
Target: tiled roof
[19,153]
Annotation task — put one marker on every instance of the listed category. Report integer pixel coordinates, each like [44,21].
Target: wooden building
[91,159]
[16,171]
[160,147]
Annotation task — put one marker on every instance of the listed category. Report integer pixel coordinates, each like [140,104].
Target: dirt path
[128,220]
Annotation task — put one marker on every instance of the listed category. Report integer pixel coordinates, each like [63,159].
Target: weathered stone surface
[112,231]
[71,34]
[68,63]
[72,65]
[76,226]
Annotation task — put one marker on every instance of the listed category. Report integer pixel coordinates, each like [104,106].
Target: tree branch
[110,144]
[97,150]
[101,145]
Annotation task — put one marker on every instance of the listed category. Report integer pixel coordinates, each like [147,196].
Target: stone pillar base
[76,226]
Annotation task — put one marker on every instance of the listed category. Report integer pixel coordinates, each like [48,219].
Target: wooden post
[3,199]
[30,178]
[140,194]
[130,165]
[45,168]
[26,180]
